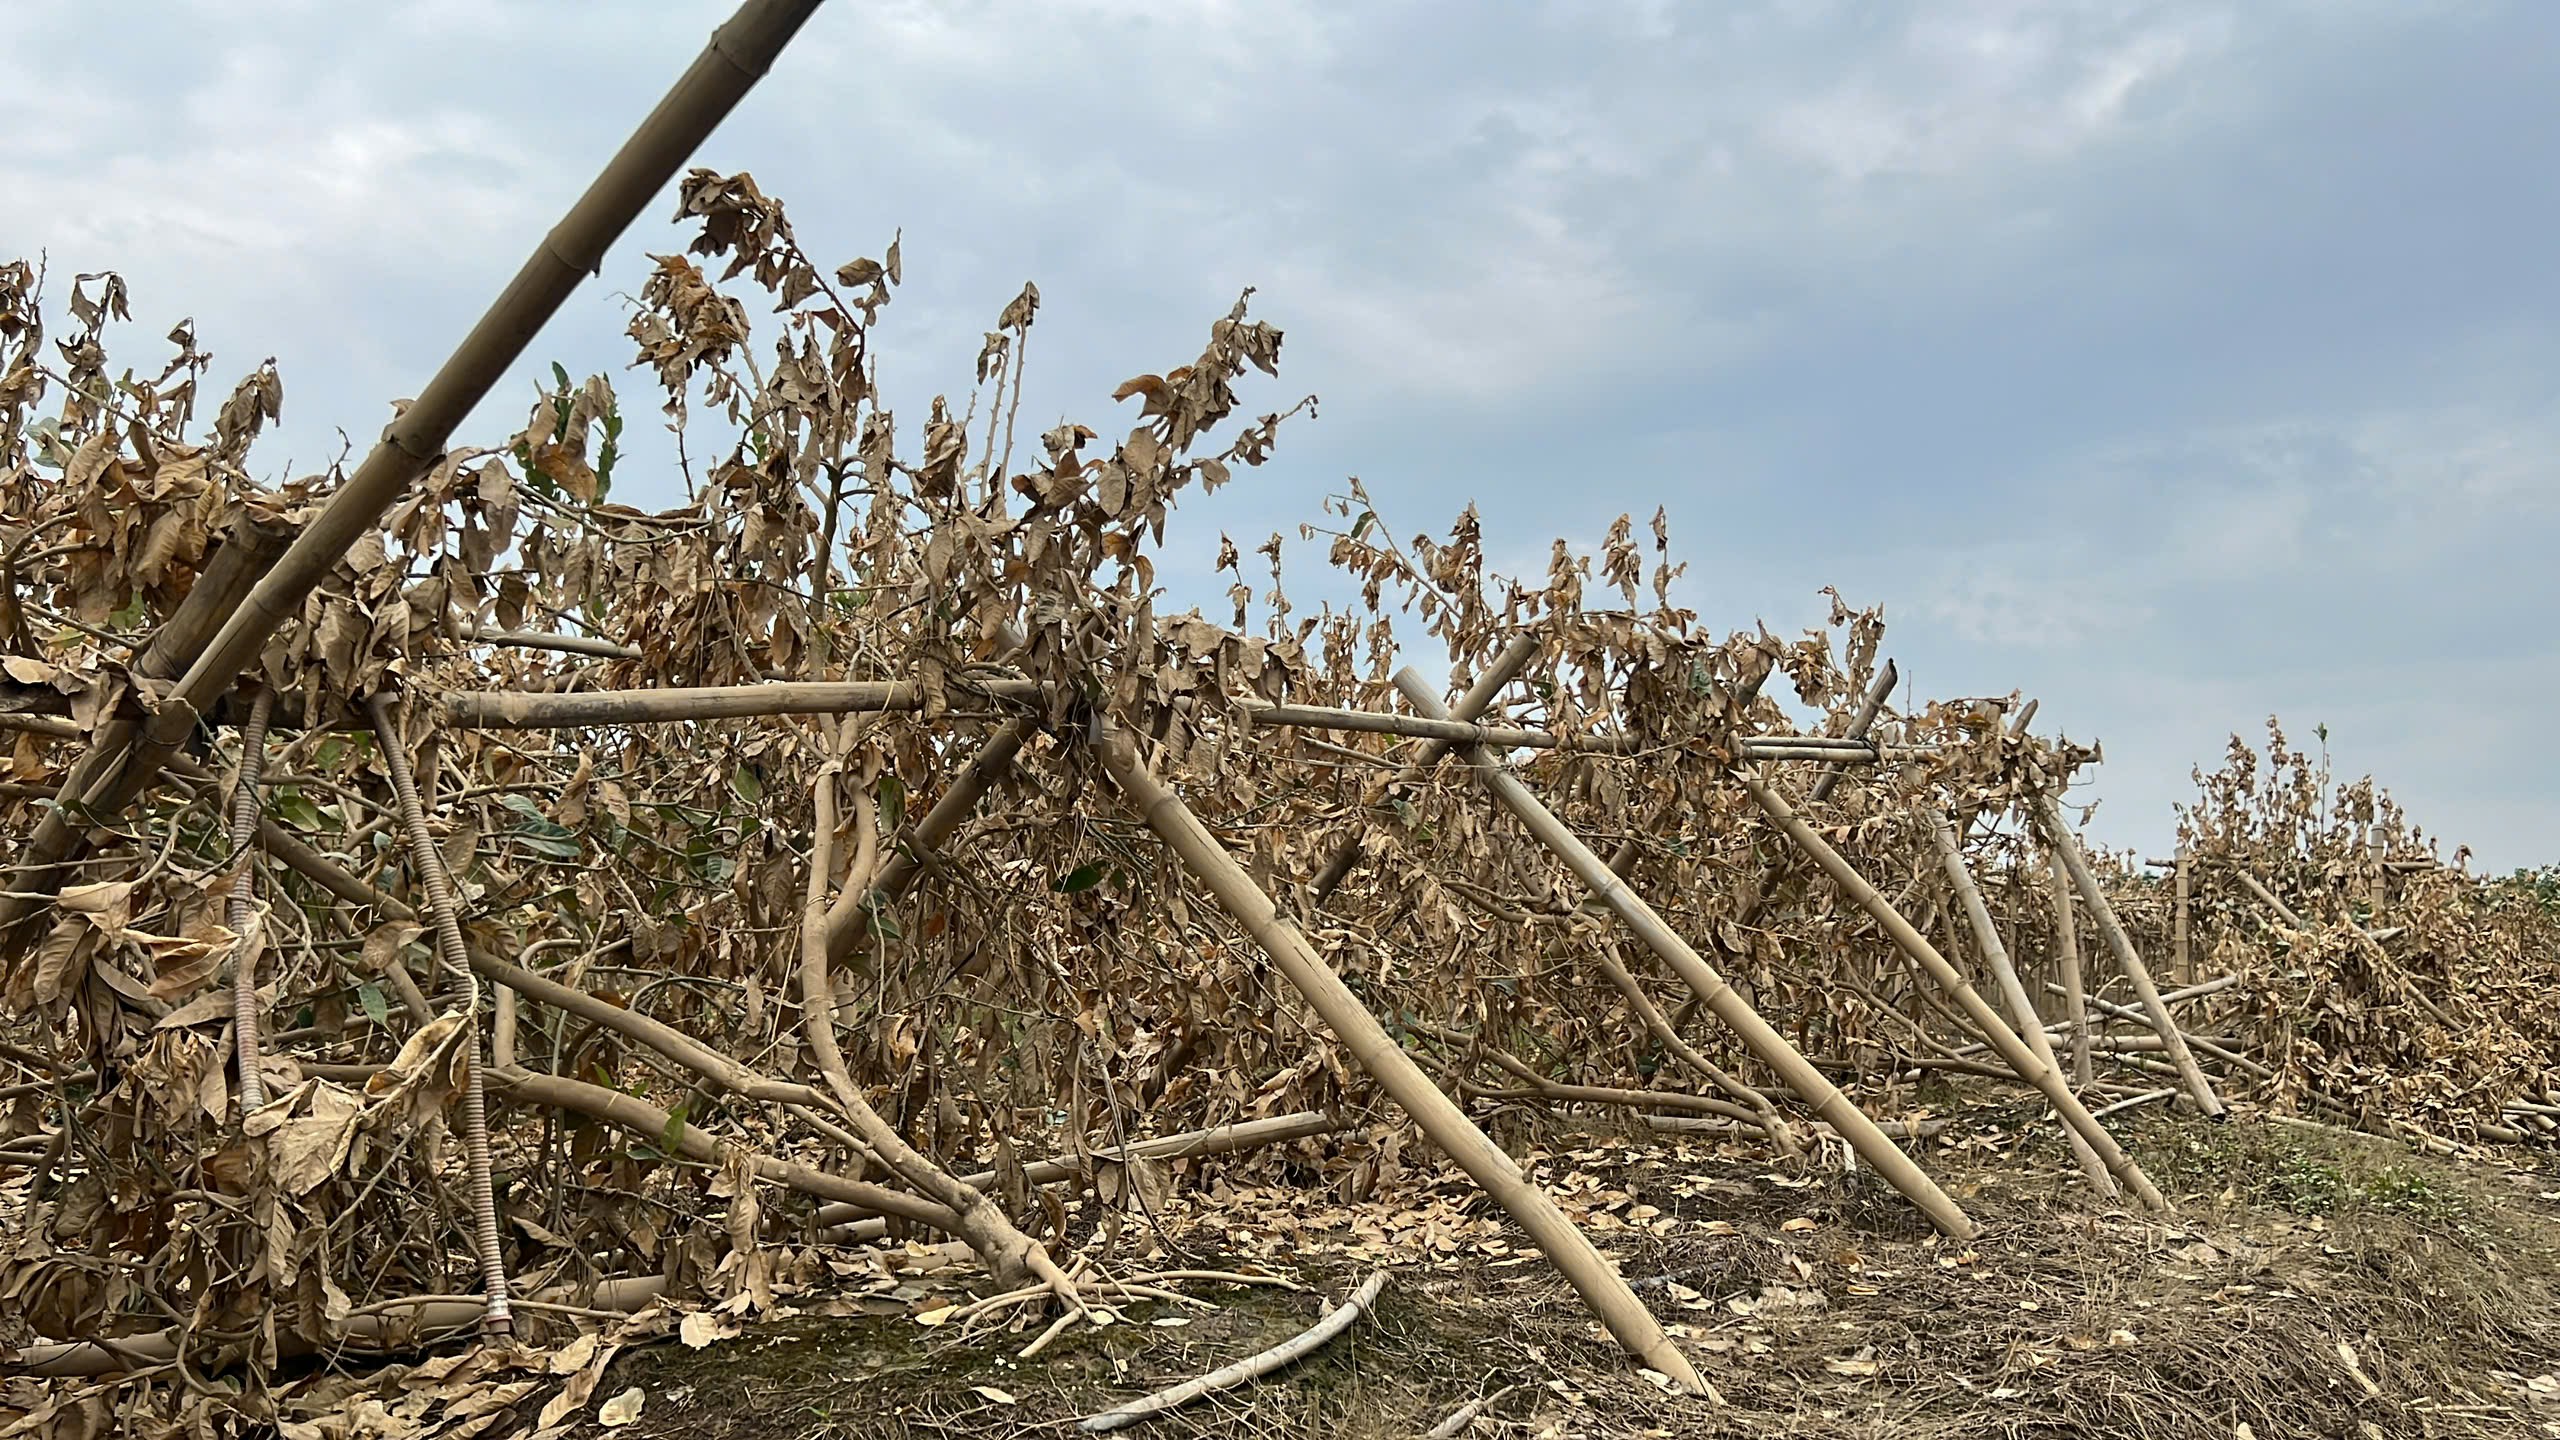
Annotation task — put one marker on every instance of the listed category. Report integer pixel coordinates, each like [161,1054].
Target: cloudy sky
[2179,364]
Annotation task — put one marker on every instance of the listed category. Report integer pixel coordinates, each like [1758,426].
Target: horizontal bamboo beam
[1460,732]
[516,710]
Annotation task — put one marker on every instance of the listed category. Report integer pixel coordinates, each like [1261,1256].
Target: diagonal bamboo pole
[1479,698]
[1727,1004]
[2048,817]
[849,921]
[737,56]
[1870,705]
[1977,1011]
[2022,1006]
[2075,996]
[90,786]
[1585,1268]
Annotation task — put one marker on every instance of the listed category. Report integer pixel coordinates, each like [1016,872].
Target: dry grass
[2310,1285]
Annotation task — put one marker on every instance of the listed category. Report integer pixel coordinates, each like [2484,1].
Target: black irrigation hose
[429,863]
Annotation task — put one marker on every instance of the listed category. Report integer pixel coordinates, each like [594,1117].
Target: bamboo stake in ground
[1448,1127]
[1252,1367]
[2014,1051]
[2048,816]
[1720,998]
[2182,965]
[2066,943]
[2021,1005]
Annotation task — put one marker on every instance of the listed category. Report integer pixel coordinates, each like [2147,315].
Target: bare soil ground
[2310,1284]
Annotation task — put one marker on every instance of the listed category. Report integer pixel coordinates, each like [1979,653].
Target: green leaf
[748,784]
[893,801]
[1083,877]
[297,808]
[885,927]
[1361,525]
[672,1139]
[376,1009]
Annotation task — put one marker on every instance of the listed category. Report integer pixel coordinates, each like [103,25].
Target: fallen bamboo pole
[1709,1125]
[2013,1051]
[113,772]
[1252,1367]
[2211,1048]
[2047,813]
[1479,698]
[2022,1006]
[412,1323]
[1590,1273]
[1720,998]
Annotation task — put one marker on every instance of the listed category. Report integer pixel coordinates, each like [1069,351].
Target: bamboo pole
[2048,815]
[1458,732]
[1720,998]
[1336,1320]
[2022,1006]
[94,785]
[729,66]
[2012,1050]
[518,710]
[2075,996]
[1585,1268]
[1870,705]
[1479,698]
